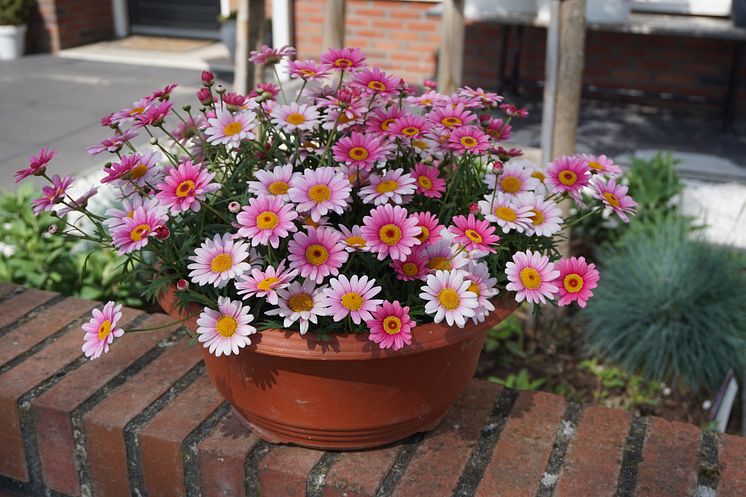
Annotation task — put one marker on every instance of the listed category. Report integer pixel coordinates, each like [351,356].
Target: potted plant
[228,32]
[339,254]
[13,15]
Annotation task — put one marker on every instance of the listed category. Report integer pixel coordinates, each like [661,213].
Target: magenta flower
[428,182]
[351,297]
[101,330]
[266,220]
[52,194]
[113,144]
[130,114]
[133,233]
[451,117]
[390,232]
[576,280]
[487,99]
[498,129]
[165,92]
[360,150]
[153,115]
[568,174]
[513,111]
[430,227]
[308,70]
[532,277]
[468,139]
[137,168]
[410,126]
[318,253]
[375,81]
[474,234]
[37,164]
[269,55]
[615,196]
[391,326]
[343,59]
[414,267]
[600,164]
[319,191]
[379,121]
[184,187]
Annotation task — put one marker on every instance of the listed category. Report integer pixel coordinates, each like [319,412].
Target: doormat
[160,43]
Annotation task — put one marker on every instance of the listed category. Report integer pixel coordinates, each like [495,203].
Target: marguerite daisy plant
[357,204]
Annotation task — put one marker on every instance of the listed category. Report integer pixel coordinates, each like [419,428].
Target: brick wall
[58,24]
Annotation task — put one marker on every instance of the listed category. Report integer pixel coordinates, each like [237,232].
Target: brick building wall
[58,24]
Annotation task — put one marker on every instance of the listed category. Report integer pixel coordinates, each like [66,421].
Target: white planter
[12,41]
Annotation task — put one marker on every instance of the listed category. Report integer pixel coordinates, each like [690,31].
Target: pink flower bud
[430,84]
[162,232]
[208,78]
[234,207]
[473,208]
[182,285]
[497,166]
[204,96]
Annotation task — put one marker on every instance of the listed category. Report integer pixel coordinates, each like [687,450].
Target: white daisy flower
[300,302]
[514,179]
[502,210]
[448,297]
[225,331]
[275,182]
[393,186]
[546,216]
[484,286]
[219,260]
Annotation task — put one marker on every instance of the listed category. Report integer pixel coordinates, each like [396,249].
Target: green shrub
[31,256]
[14,12]
[670,306]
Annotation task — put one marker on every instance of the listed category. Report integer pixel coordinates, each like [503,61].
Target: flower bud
[187,108]
[430,84]
[473,208]
[208,78]
[182,285]
[234,207]
[162,232]
[52,229]
[220,89]
[204,96]
[154,141]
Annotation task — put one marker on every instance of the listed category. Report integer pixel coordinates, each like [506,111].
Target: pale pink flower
[276,183]
[444,255]
[309,70]
[317,253]
[390,232]
[225,331]
[506,212]
[343,59]
[451,117]
[410,127]
[351,297]
[129,114]
[101,330]
[484,286]
[229,129]
[576,280]
[183,187]
[299,302]
[393,187]
[134,232]
[218,261]
[546,216]
[265,283]
[360,150]
[269,55]
[391,326]
[319,191]
[531,276]
[447,297]
[266,220]
[468,139]
[514,178]
[615,196]
[353,239]
[487,99]
[600,164]
[113,144]
[295,116]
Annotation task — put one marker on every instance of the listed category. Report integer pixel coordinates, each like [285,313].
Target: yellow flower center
[573,283]
[267,283]
[386,124]
[530,278]
[426,101]
[104,329]
[352,301]
[138,171]
[595,165]
[424,182]
[449,299]
[139,232]
[390,234]
[439,263]
[355,241]
[185,188]
[410,131]
[392,325]
[474,288]
[450,122]
[538,175]
[358,153]
[310,222]
[278,188]
[473,235]
[307,73]
[424,234]
[226,326]
[295,118]
[221,262]
[317,254]
[319,193]
[538,217]
[376,86]
[506,214]
[468,141]
[387,186]
[510,184]
[342,62]
[410,269]
[612,199]
[568,178]
[137,110]
[232,128]
[421,144]
[267,220]
[300,302]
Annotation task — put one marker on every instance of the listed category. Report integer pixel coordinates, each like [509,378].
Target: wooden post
[451,55]
[334,24]
[250,24]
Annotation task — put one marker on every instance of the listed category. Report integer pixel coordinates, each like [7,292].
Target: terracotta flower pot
[346,393]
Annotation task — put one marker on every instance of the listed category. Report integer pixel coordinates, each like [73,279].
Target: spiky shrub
[671,306]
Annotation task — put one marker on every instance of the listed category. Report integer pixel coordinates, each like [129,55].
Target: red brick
[283,472]
[53,409]
[222,456]
[732,456]
[104,425]
[670,456]
[15,382]
[30,333]
[429,473]
[595,454]
[162,437]
[359,474]
[7,288]
[521,453]
[21,304]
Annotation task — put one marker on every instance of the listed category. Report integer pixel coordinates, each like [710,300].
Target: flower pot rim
[349,346]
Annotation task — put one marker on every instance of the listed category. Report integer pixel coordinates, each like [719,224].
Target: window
[693,7]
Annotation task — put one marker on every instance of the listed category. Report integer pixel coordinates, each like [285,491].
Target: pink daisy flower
[319,191]
[546,216]
[134,232]
[507,213]
[189,128]
[308,70]
[410,127]
[275,183]
[381,120]
[428,99]
[225,331]
[351,297]
[300,302]
[428,182]
[353,239]
[317,253]
[390,231]
[474,234]
[430,228]
[568,175]
[487,99]
[129,114]
[375,81]
[443,255]
[576,280]
[101,330]
[154,115]
[531,276]
[514,179]
[343,59]
[137,168]
[392,186]
[357,177]
[414,267]
[451,117]
[265,283]
[115,217]
[37,164]
[229,129]
[295,116]
[52,194]
[468,139]
[185,186]
[218,261]
[615,196]
[360,150]
[391,327]
[600,164]
[269,55]
[266,220]
[113,144]
[513,111]
[498,129]
[447,297]
[164,93]
[484,286]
